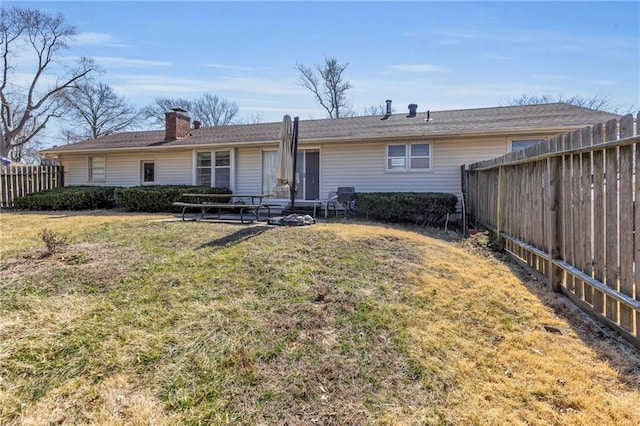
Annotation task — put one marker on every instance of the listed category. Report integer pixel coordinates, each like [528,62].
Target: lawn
[139,320]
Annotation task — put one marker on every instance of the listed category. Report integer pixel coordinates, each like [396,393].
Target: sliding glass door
[307,173]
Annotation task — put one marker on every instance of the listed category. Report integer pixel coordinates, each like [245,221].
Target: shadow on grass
[620,354]
[237,237]
[607,343]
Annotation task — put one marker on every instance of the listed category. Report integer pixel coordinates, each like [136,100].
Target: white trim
[232,166]
[407,158]
[90,169]
[155,172]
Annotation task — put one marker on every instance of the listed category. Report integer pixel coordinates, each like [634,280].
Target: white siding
[123,169]
[363,166]
[249,171]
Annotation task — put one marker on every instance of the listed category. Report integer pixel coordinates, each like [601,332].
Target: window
[520,144]
[222,169]
[203,169]
[213,169]
[97,169]
[148,172]
[409,157]
[269,164]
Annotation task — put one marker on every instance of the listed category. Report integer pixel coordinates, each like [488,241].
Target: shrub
[424,208]
[52,240]
[159,198]
[68,198]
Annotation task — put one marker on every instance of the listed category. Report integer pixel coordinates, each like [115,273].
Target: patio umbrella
[284,168]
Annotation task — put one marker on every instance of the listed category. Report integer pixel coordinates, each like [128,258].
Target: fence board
[585,211]
[611,224]
[568,196]
[17,181]
[571,210]
[598,217]
[626,232]
[576,194]
[637,222]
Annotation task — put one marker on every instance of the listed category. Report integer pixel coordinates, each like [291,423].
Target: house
[414,151]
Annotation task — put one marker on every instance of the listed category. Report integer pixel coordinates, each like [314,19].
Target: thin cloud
[229,67]
[130,63]
[417,68]
[163,85]
[496,56]
[100,39]
[541,40]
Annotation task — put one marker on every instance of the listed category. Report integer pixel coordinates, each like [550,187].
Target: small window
[148,171]
[520,144]
[203,169]
[223,169]
[213,169]
[420,156]
[409,157]
[97,171]
[397,157]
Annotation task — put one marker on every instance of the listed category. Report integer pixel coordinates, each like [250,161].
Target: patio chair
[331,203]
[346,195]
[341,199]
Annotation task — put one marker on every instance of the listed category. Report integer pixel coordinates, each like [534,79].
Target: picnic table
[212,202]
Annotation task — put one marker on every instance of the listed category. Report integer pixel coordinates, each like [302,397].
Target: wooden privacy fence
[16,181]
[570,208]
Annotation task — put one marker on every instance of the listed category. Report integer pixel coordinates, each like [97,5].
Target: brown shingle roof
[464,121]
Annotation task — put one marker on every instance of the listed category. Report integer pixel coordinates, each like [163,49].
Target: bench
[254,209]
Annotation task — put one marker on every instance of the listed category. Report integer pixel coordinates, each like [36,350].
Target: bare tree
[253,118]
[379,109]
[328,86]
[212,111]
[599,102]
[99,109]
[156,111]
[209,109]
[26,109]
[28,153]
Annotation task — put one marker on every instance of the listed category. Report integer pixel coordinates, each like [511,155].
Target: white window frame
[91,169]
[407,158]
[526,139]
[231,166]
[155,172]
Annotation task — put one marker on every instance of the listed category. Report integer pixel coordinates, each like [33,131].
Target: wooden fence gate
[570,208]
[16,181]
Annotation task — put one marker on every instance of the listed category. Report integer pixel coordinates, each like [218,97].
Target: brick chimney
[178,124]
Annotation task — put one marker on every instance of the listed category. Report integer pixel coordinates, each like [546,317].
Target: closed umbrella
[284,168]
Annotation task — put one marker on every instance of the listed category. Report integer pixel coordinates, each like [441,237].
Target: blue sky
[439,55]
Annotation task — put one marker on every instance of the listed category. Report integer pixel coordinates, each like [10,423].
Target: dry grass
[138,321]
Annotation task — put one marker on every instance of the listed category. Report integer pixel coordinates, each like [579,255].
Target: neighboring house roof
[455,122]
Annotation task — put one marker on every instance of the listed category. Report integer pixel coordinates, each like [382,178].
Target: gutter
[356,139]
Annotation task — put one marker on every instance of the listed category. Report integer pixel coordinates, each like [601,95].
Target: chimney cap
[178,109]
[412,110]
[387,113]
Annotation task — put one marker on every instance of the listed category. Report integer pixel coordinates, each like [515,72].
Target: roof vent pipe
[196,124]
[426,120]
[412,110]
[387,114]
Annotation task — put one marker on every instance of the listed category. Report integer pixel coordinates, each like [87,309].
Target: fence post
[554,219]
[463,178]
[500,210]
